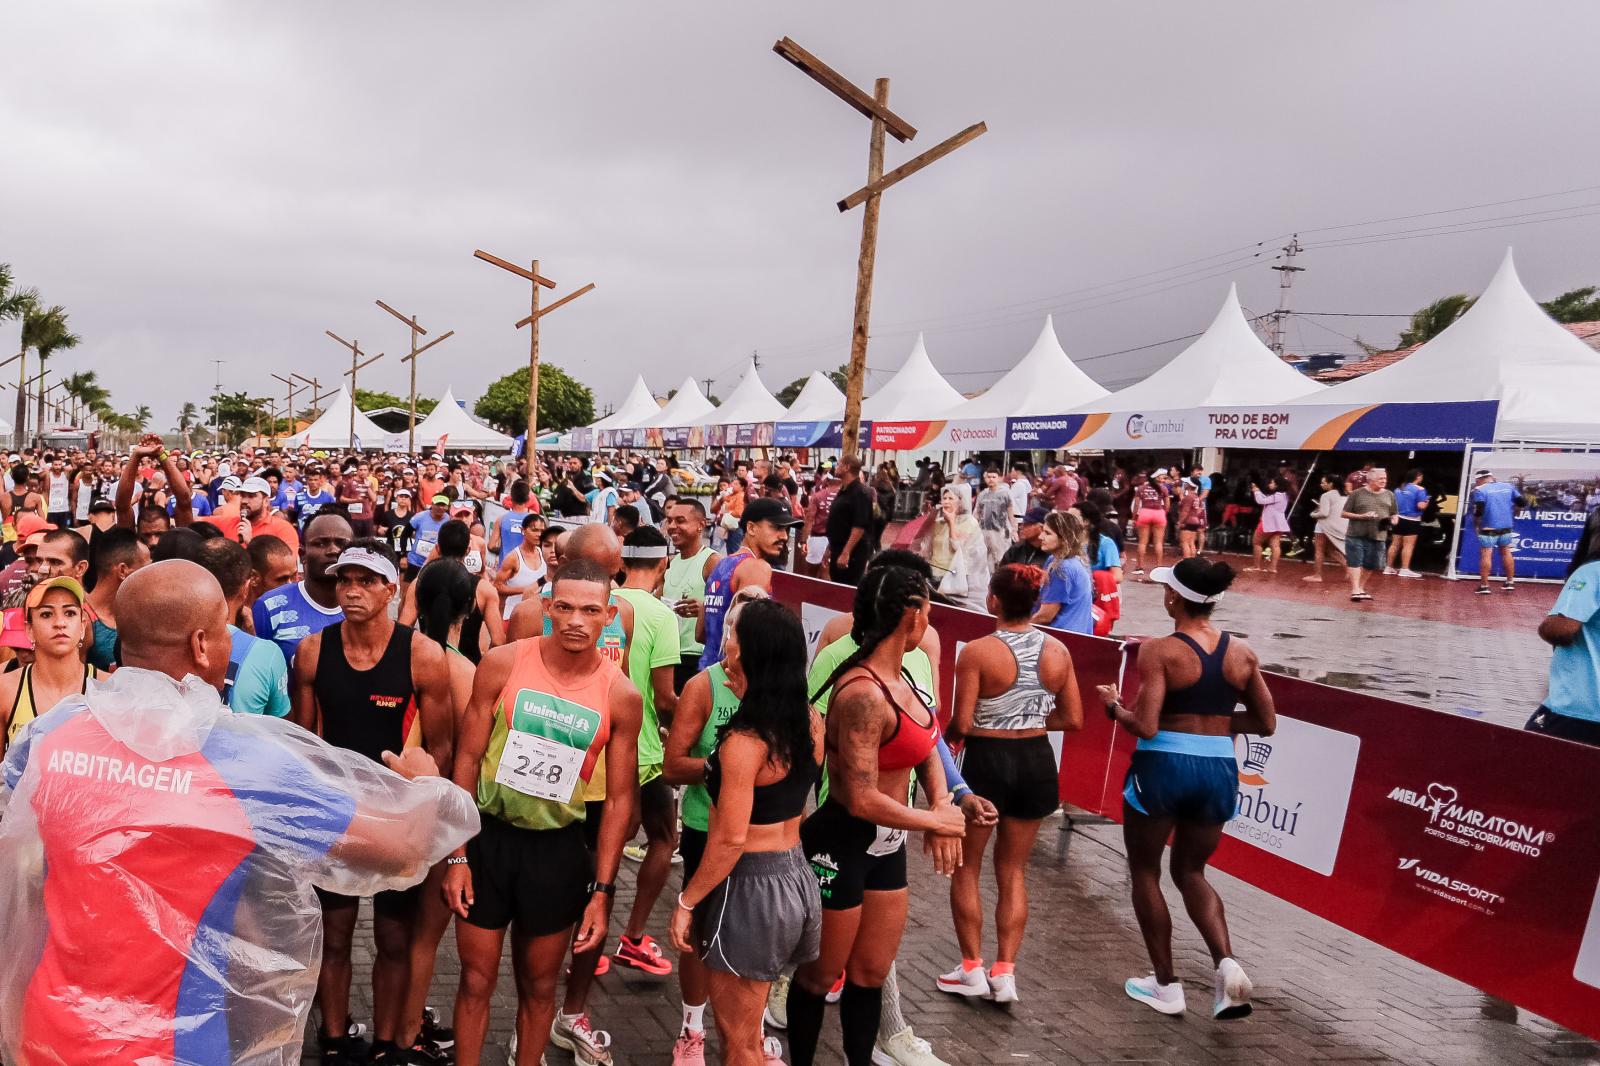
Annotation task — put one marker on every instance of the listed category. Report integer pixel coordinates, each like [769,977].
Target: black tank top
[1211,695]
[366,711]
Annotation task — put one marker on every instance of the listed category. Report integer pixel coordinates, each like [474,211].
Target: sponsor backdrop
[1471,848]
[1560,489]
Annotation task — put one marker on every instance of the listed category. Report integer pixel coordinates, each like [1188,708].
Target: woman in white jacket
[958,552]
[1331,524]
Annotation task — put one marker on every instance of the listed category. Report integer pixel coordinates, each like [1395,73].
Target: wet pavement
[1427,641]
[1322,994]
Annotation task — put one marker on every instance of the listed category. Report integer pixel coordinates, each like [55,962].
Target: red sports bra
[906,747]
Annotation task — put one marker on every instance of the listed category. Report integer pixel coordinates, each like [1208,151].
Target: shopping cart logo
[1253,760]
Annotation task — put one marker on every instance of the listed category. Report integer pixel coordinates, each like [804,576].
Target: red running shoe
[643,954]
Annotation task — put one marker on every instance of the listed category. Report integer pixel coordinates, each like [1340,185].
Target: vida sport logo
[1449,819]
[1451,888]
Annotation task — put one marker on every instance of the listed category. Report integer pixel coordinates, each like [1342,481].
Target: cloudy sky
[199,180]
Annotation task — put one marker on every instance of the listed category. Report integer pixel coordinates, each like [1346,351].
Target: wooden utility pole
[534,314]
[884,121]
[416,330]
[293,386]
[356,364]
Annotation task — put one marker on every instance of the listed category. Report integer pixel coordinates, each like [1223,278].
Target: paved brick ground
[1430,642]
[1322,994]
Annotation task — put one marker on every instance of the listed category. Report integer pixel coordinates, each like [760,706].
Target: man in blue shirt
[289,614]
[1494,513]
[1571,710]
[425,530]
[309,501]
[1410,499]
[258,676]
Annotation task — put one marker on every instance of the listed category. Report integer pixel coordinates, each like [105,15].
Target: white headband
[1165,575]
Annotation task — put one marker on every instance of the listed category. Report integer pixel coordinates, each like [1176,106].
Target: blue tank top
[510,533]
[719,590]
[1211,695]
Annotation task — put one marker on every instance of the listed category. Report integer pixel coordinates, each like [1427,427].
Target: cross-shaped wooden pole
[875,107]
[293,387]
[356,364]
[416,330]
[532,321]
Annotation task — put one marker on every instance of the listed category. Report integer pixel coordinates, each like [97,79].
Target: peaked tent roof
[464,431]
[640,405]
[1044,382]
[332,428]
[1226,366]
[1504,348]
[750,401]
[819,401]
[916,392]
[688,407]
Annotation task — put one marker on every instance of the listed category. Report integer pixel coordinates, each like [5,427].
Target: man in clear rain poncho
[157,853]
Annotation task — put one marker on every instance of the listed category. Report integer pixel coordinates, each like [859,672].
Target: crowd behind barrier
[1472,848]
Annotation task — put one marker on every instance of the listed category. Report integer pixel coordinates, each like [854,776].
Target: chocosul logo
[982,434]
[1467,826]
[1138,427]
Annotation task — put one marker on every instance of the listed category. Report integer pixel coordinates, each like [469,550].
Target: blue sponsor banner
[814,434]
[1044,431]
[1421,426]
[1557,491]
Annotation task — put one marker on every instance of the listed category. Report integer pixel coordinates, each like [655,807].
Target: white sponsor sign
[1588,968]
[1294,789]
[812,618]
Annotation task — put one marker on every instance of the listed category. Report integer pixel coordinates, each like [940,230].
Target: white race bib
[357,509]
[538,767]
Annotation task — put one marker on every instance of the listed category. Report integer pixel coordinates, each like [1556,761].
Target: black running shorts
[692,847]
[536,878]
[1018,776]
[400,904]
[850,856]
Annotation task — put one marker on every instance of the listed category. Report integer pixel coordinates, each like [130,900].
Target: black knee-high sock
[805,1024]
[859,1013]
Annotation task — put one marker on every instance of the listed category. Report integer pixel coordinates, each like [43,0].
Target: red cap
[29,524]
[14,633]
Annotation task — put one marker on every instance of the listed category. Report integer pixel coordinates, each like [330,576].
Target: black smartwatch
[603,886]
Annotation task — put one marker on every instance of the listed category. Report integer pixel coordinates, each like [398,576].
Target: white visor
[1163,575]
[367,560]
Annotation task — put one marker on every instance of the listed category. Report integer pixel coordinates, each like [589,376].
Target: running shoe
[1168,999]
[1483,590]
[589,1046]
[643,954]
[905,1048]
[835,992]
[635,852]
[1509,586]
[388,1053]
[351,1047]
[1409,573]
[776,1016]
[1233,992]
[432,1031]
[427,1053]
[772,1051]
[1389,571]
[964,982]
[690,1050]
[1003,987]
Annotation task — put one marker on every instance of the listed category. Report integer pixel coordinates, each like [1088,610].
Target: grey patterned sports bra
[1026,703]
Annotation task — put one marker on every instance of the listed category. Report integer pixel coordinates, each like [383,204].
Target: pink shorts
[1151,517]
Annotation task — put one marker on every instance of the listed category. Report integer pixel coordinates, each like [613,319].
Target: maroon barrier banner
[1472,848]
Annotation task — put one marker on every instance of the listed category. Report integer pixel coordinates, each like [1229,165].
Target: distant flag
[358,443]
[439,447]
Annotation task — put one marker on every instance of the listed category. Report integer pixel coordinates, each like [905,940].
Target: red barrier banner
[1472,848]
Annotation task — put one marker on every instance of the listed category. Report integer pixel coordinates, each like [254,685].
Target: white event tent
[819,401]
[916,392]
[464,432]
[639,405]
[332,428]
[749,401]
[1226,366]
[688,407]
[1504,348]
[1044,382]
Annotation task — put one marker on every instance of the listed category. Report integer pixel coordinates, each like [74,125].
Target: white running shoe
[589,1046]
[1003,987]
[964,982]
[772,1051]
[1390,571]
[776,1015]
[833,993]
[1168,999]
[905,1048]
[1409,573]
[1233,992]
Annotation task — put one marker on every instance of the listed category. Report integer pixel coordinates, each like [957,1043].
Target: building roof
[1587,332]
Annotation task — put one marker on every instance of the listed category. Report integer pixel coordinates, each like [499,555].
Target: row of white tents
[448,422]
[1504,349]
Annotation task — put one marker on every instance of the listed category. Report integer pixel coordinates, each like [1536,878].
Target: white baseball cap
[252,485]
[230,484]
[367,559]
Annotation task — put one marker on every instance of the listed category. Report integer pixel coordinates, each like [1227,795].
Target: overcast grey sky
[201,180]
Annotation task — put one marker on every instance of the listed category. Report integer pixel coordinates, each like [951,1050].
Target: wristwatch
[602,886]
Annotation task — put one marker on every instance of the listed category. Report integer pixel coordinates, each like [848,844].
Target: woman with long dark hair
[1184,780]
[879,729]
[752,907]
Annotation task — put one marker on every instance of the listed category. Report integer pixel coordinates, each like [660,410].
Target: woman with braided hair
[879,729]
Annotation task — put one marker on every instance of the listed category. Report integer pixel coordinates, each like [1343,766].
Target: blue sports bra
[1211,695]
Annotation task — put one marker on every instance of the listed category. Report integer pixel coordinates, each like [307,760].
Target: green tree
[713,397]
[839,375]
[188,418]
[86,392]
[1576,305]
[371,400]
[141,417]
[14,302]
[564,401]
[58,340]
[1434,319]
[235,413]
[45,330]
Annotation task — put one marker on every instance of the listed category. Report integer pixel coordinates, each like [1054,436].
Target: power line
[1452,210]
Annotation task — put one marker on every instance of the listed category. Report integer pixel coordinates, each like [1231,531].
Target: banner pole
[1462,510]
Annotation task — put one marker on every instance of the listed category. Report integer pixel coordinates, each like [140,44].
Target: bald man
[149,807]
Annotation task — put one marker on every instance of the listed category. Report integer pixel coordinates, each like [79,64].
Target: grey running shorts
[766,917]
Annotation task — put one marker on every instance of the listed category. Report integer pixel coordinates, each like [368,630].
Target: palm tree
[1435,318]
[41,326]
[188,418]
[76,386]
[58,339]
[140,418]
[14,301]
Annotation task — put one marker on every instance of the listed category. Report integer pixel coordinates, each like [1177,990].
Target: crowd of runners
[592,655]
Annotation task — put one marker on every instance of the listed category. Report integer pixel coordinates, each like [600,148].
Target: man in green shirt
[652,659]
